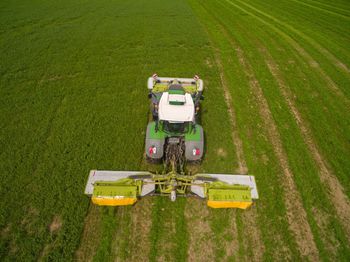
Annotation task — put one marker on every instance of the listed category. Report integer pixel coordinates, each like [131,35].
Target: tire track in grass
[201,245]
[211,237]
[250,216]
[91,235]
[278,240]
[312,63]
[338,8]
[168,234]
[312,42]
[252,235]
[322,9]
[296,214]
[336,191]
[119,248]
[231,244]
[140,228]
[228,100]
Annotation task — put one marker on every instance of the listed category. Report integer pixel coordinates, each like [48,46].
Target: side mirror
[202,98]
[149,95]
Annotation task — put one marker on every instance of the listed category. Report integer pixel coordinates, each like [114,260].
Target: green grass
[109,225]
[73,97]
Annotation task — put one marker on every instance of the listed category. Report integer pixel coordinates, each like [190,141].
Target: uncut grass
[316,198]
[63,114]
[70,85]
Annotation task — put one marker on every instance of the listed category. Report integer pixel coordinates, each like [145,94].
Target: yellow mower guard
[113,201]
[228,204]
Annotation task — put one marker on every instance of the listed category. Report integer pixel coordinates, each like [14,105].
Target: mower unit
[175,138]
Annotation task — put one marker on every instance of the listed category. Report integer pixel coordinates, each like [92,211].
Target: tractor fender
[154,144]
[193,143]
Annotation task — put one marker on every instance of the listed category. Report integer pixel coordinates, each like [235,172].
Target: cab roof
[176,107]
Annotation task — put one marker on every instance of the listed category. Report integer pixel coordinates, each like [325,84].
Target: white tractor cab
[175,105]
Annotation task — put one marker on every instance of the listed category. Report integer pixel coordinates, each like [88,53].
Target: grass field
[73,98]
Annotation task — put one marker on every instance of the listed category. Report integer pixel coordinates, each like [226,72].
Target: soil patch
[56,224]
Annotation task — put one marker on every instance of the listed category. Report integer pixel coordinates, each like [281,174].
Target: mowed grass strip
[247,231]
[335,108]
[290,37]
[260,162]
[331,112]
[317,39]
[336,234]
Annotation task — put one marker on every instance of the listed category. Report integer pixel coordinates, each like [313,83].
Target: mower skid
[118,188]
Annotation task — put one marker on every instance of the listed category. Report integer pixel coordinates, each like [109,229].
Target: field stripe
[168,234]
[140,228]
[231,248]
[338,8]
[322,9]
[250,216]
[312,63]
[91,235]
[338,198]
[296,213]
[228,100]
[312,42]
[201,246]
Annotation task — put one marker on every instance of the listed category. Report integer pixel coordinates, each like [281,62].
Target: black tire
[194,162]
[153,160]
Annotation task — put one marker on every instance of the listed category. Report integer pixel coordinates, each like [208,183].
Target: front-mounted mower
[175,138]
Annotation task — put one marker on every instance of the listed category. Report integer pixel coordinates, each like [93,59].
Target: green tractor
[175,138]
[174,131]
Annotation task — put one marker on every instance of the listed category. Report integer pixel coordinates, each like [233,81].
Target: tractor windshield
[175,127]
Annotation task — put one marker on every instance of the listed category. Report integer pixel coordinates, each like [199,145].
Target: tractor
[173,137]
[174,131]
